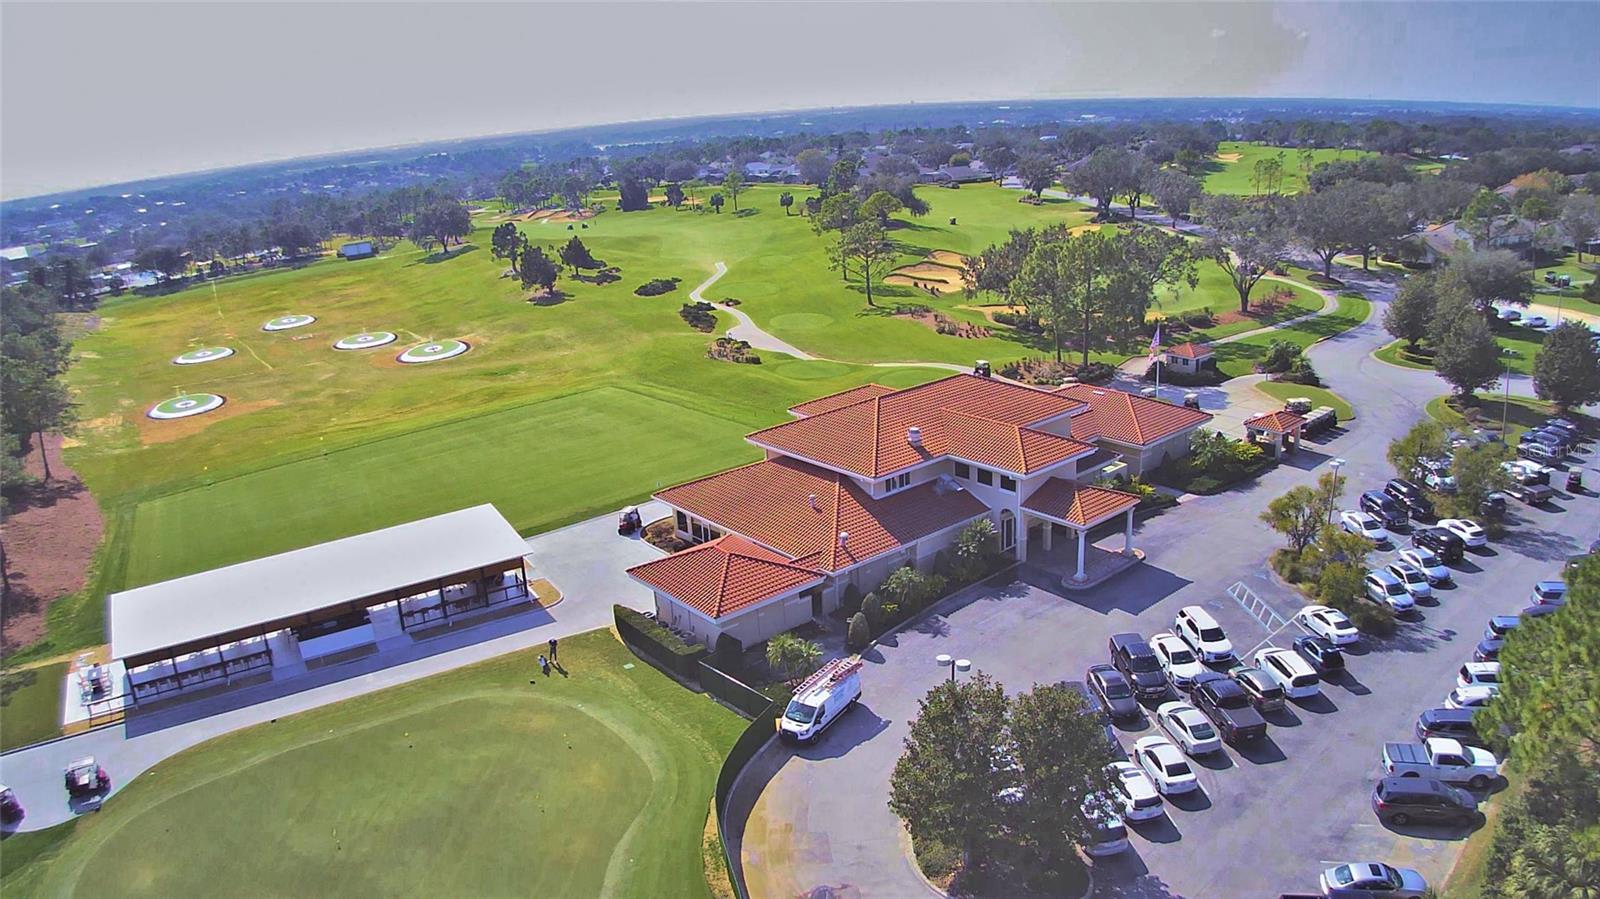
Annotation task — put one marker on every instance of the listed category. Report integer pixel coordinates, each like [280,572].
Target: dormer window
[898,482]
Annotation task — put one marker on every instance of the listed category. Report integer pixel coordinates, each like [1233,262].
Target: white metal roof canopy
[227,600]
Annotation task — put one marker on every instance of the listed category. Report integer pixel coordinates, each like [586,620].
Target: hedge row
[647,638]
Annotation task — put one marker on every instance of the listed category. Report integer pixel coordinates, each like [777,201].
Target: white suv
[1201,631]
[1384,588]
[1291,672]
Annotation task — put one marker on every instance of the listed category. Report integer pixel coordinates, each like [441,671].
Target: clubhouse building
[873,479]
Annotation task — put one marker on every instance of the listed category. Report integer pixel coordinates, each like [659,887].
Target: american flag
[1155,342]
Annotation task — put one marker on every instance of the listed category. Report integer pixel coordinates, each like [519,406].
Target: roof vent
[1099,392]
[844,537]
[813,499]
[914,435]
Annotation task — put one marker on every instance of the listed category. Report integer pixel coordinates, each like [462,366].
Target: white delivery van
[821,699]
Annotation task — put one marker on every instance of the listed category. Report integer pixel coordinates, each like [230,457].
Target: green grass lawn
[470,783]
[1395,353]
[1519,413]
[1319,396]
[1580,273]
[30,704]
[1225,175]
[1239,357]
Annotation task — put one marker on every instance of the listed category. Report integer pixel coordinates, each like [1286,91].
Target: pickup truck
[1229,708]
[1532,494]
[1442,758]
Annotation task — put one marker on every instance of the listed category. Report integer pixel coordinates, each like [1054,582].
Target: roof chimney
[813,499]
[844,537]
[914,435]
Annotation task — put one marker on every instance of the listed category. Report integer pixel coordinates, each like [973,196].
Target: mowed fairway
[536,463]
[1232,170]
[471,783]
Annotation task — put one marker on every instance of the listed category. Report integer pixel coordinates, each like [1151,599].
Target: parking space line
[1256,607]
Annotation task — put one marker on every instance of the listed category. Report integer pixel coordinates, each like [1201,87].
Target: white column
[1020,522]
[1127,535]
[1049,535]
[1082,550]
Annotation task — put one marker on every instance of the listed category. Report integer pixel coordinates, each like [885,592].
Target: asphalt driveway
[1270,819]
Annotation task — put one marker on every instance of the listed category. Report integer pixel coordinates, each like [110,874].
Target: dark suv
[1401,800]
[1229,708]
[1445,545]
[1453,723]
[1132,656]
[1412,497]
[1385,508]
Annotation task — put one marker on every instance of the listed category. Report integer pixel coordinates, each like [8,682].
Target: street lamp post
[1336,465]
[946,660]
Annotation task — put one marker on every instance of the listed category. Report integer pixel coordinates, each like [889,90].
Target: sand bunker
[559,216]
[948,257]
[1229,157]
[939,272]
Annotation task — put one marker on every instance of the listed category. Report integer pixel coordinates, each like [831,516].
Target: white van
[821,699]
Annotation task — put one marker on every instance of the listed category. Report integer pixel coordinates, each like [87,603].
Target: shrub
[1199,318]
[1281,356]
[656,287]
[858,634]
[872,607]
[941,563]
[1095,372]
[850,602]
[1022,321]
[1372,618]
[655,643]
[728,349]
[699,316]
[730,653]
[1291,567]
[912,309]
[934,858]
[1301,372]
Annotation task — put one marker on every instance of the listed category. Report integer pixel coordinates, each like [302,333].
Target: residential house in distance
[873,479]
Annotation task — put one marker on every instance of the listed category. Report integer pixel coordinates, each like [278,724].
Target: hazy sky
[93,93]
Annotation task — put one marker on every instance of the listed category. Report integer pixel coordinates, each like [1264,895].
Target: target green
[434,350]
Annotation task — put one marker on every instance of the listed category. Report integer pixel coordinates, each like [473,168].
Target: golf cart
[628,521]
[1191,400]
[87,780]
[10,808]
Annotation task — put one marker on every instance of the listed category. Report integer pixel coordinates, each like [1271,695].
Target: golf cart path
[753,334]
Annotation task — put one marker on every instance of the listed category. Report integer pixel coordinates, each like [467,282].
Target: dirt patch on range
[153,431]
[50,537]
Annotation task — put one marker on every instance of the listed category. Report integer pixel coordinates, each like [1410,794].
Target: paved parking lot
[1270,818]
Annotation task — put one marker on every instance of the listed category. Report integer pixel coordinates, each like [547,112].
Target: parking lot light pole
[1336,464]
[946,660]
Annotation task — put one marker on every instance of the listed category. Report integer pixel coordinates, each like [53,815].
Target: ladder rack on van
[829,674]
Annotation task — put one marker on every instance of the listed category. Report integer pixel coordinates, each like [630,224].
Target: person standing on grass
[552,649]
[544,665]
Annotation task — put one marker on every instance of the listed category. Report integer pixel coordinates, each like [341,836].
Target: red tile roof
[770,503]
[1279,421]
[1129,418]
[1083,506]
[725,575]
[839,400]
[1189,350]
[959,414]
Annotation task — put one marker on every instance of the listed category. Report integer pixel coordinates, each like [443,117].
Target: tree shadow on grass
[446,256]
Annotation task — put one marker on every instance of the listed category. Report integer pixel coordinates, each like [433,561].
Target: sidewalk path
[585,560]
[746,330]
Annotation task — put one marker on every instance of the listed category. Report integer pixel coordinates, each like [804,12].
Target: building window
[1008,483]
[986,477]
[898,482]
[683,523]
[963,470]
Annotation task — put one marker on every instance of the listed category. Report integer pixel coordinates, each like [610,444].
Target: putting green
[203,354]
[365,340]
[185,405]
[475,783]
[285,322]
[434,351]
